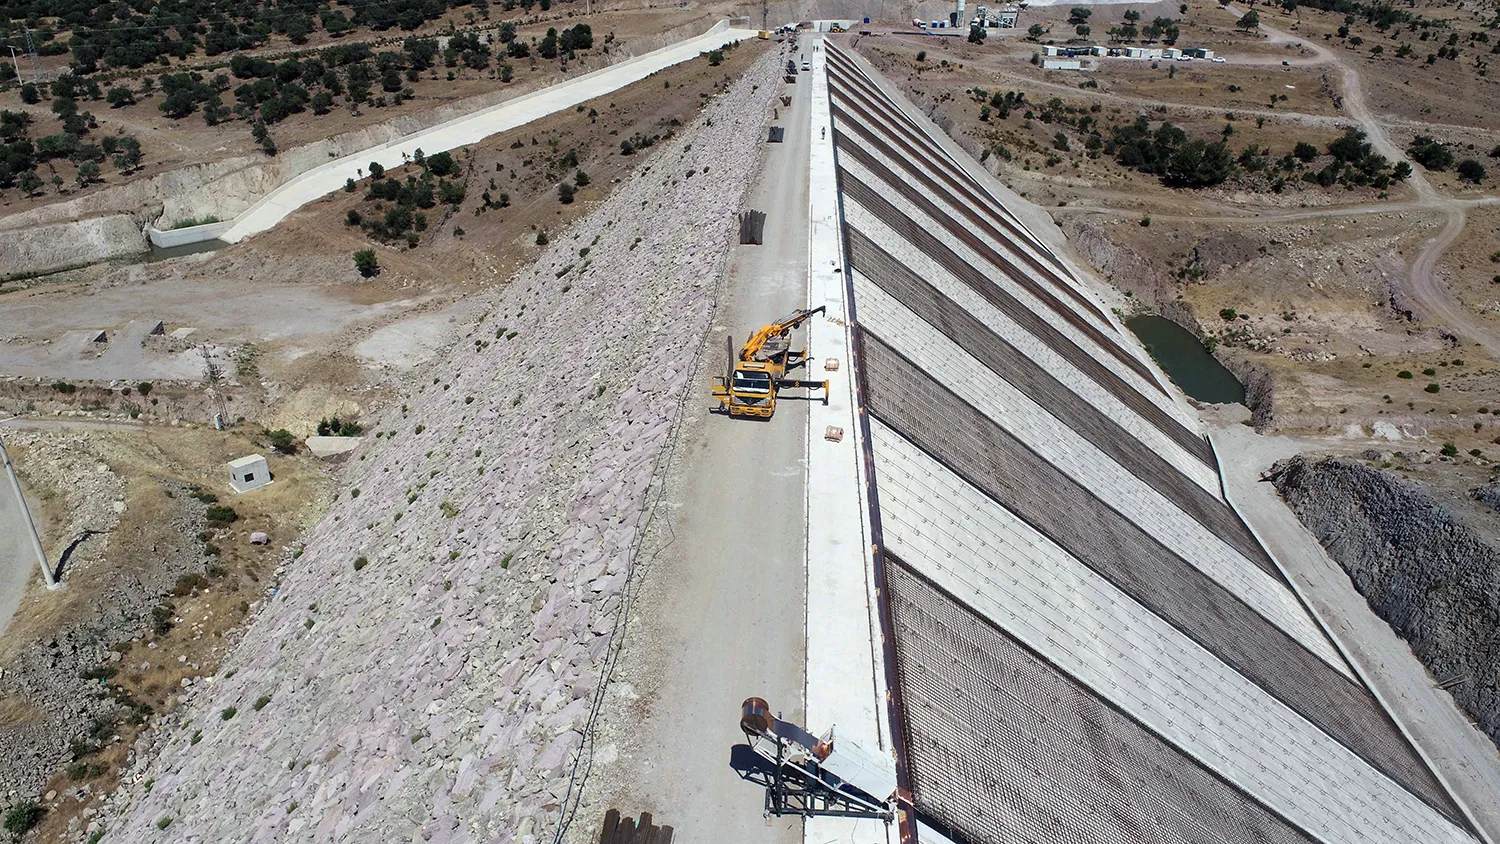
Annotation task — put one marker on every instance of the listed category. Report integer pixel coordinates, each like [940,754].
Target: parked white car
[1219,59]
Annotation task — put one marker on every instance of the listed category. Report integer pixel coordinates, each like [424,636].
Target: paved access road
[462,131]
[721,613]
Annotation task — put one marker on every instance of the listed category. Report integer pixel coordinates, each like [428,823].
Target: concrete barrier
[188,234]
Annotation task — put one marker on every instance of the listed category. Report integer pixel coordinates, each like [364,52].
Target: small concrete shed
[249,472]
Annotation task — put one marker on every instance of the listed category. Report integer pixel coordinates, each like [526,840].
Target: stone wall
[1426,573]
[440,691]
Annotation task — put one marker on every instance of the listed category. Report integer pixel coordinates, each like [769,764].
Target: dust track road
[327,178]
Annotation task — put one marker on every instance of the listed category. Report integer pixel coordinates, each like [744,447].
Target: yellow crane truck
[758,371]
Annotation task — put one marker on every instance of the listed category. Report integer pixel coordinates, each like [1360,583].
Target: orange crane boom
[758,370]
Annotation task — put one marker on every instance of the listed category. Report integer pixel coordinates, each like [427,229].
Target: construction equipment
[754,375]
[817,776]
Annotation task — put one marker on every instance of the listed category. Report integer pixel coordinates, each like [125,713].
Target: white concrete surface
[190,234]
[330,446]
[1037,223]
[845,664]
[1462,757]
[462,131]
[1036,591]
[1103,349]
[248,472]
[1082,461]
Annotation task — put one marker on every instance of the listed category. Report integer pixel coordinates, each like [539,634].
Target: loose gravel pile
[427,666]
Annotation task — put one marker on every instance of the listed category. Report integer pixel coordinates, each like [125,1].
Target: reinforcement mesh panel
[1004,748]
[1019,370]
[870,198]
[987,456]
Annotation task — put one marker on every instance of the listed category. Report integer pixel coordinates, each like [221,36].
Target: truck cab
[749,391]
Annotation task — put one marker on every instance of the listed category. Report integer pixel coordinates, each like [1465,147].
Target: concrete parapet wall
[190,234]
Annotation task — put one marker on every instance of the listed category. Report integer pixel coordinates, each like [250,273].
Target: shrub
[188,584]
[1450,450]
[1430,153]
[921,56]
[281,439]
[1432,388]
[260,702]
[541,238]
[161,618]
[227,713]
[336,427]
[360,562]
[221,514]
[580,178]
[144,388]
[1405,373]
[64,387]
[366,262]
[565,193]
[1470,170]
[22,817]
[1228,313]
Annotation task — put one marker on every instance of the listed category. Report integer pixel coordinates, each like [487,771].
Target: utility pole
[17,62]
[31,57]
[36,539]
[213,376]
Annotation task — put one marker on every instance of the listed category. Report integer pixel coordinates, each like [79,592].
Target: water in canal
[1186,361]
[162,253]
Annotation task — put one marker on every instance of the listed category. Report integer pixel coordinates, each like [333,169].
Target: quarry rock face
[1426,573]
[439,690]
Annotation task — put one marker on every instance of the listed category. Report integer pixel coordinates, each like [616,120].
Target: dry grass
[195,644]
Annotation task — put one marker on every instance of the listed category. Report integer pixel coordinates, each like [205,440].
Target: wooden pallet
[617,830]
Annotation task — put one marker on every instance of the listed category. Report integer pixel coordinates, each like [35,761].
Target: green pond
[1186,361]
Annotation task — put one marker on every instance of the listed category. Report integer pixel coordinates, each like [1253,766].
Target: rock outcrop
[438,688]
[1427,574]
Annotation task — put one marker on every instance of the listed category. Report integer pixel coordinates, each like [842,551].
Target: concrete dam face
[1089,644]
